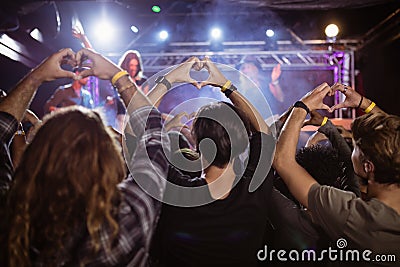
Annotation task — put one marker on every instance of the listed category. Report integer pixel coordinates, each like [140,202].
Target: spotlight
[331,30]
[156,9]
[134,29]
[37,35]
[270,33]
[216,33]
[105,32]
[163,35]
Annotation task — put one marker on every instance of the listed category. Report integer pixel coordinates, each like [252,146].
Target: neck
[389,195]
[220,180]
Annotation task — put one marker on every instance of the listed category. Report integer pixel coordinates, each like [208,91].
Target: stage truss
[341,62]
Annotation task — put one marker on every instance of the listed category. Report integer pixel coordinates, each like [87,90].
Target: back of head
[322,163]
[67,178]
[224,125]
[378,137]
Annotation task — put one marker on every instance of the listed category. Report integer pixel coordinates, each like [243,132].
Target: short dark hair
[378,137]
[321,162]
[226,126]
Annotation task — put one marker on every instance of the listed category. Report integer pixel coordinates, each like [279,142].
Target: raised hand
[101,67]
[314,99]
[182,72]
[215,78]
[276,73]
[352,99]
[176,121]
[50,69]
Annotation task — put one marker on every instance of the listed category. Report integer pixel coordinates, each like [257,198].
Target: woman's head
[131,61]
[67,178]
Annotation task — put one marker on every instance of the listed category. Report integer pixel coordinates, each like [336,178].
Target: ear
[369,166]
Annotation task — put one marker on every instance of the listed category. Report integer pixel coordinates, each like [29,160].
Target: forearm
[21,96]
[366,103]
[296,178]
[277,92]
[337,140]
[129,91]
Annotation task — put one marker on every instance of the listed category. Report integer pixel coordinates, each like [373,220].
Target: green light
[156,9]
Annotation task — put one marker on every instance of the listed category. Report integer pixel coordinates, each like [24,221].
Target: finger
[321,87]
[67,74]
[337,106]
[85,73]
[325,107]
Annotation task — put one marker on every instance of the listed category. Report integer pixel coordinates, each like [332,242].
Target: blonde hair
[66,181]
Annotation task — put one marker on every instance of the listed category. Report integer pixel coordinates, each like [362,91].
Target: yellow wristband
[118,75]
[226,86]
[124,88]
[370,107]
[324,121]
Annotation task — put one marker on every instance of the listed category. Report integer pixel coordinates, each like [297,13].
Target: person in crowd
[270,89]
[227,228]
[70,94]
[70,202]
[131,61]
[112,102]
[369,225]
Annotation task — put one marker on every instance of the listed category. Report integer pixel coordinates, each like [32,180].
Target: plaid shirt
[138,212]
[8,126]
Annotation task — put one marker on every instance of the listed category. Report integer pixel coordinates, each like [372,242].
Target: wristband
[370,107]
[230,90]
[20,132]
[324,121]
[300,104]
[226,86]
[118,75]
[163,80]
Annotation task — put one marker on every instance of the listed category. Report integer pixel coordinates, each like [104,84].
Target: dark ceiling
[190,21]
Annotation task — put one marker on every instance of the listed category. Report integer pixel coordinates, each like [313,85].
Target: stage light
[134,29]
[163,35]
[270,33]
[216,33]
[36,34]
[331,30]
[105,32]
[156,9]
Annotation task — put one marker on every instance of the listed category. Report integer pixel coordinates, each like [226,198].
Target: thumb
[84,74]
[67,74]
[337,106]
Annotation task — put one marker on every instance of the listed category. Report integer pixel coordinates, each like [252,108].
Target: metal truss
[341,62]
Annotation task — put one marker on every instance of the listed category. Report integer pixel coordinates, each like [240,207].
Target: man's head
[377,147]
[221,133]
[131,61]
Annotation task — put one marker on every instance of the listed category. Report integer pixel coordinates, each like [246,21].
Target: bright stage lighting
[105,32]
[134,29]
[331,30]
[270,33]
[37,35]
[163,35]
[156,9]
[216,33]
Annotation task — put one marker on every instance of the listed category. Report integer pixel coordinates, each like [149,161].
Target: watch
[163,80]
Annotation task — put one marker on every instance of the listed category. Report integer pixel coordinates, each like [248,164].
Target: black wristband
[163,80]
[359,104]
[230,90]
[300,104]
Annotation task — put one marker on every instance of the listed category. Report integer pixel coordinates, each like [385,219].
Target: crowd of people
[80,194]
